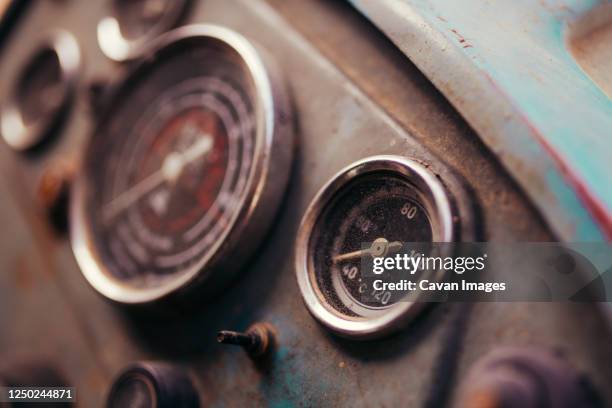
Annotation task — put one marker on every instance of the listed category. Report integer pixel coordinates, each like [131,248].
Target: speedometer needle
[169,172]
[380,247]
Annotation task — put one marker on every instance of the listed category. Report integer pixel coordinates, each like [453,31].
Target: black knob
[153,385]
[512,377]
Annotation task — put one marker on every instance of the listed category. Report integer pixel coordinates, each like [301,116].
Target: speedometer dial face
[370,209]
[169,188]
[172,170]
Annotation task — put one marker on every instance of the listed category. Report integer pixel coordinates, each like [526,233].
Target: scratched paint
[506,66]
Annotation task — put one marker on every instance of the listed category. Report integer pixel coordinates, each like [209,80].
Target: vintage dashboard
[177,175]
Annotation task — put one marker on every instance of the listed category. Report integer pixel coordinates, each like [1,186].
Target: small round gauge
[369,209]
[186,169]
[134,23]
[42,93]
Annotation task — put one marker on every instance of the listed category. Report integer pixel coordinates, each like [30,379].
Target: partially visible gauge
[380,202]
[186,171]
[42,93]
[153,385]
[134,23]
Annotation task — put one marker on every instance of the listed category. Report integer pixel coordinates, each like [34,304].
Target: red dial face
[168,169]
[188,195]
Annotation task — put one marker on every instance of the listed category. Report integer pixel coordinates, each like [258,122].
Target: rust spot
[53,190]
[461,39]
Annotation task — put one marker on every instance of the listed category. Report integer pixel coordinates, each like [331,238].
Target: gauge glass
[168,189]
[42,93]
[133,23]
[174,165]
[373,208]
[40,89]
[137,17]
[381,202]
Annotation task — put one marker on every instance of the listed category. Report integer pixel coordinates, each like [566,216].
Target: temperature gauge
[368,210]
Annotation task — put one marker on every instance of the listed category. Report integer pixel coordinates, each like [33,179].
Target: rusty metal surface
[346,109]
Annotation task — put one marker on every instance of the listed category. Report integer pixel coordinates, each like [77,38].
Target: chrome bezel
[440,207]
[118,48]
[258,204]
[15,132]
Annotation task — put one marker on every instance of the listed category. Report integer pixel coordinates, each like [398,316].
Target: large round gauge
[133,23]
[367,210]
[42,93]
[186,169]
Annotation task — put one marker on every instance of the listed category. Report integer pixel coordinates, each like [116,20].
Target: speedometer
[186,169]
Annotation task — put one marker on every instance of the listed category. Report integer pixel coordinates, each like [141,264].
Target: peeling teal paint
[281,404]
[511,56]
[299,378]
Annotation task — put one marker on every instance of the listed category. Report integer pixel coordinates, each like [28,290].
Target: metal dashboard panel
[108,339]
[508,68]
[52,313]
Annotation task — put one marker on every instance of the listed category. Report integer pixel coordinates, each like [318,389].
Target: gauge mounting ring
[252,209]
[119,48]
[16,132]
[441,210]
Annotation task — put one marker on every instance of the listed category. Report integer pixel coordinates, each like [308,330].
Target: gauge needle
[171,169]
[380,247]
